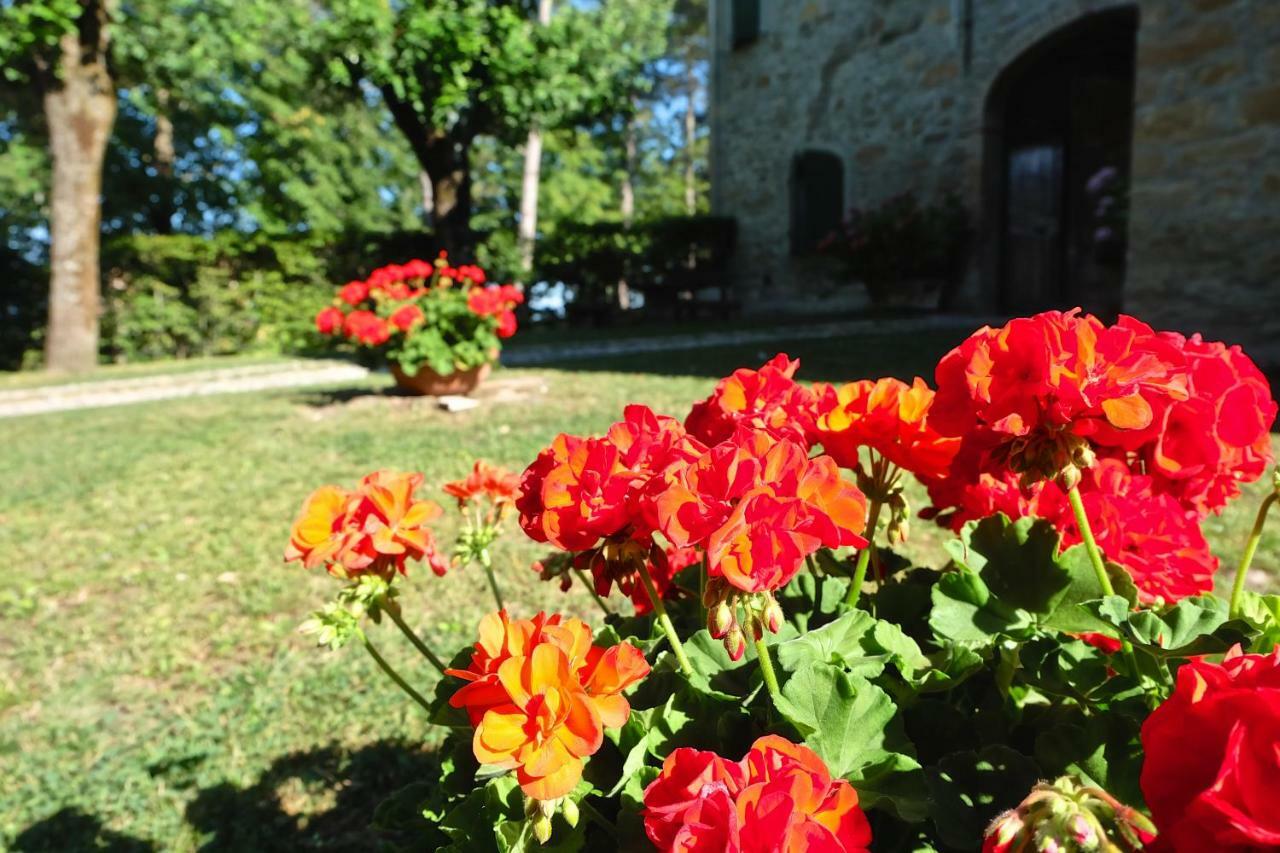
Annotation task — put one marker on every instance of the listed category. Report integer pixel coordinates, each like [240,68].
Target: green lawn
[153,688]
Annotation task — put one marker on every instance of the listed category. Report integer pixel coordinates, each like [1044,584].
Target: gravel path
[196,383]
[302,373]
[557,352]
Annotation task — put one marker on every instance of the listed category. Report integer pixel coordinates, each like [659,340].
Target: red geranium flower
[1031,391]
[406,316]
[779,798]
[506,324]
[759,506]
[768,399]
[1218,437]
[329,321]
[354,292]
[1212,763]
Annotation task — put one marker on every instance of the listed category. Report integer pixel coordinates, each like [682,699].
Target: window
[745,27]
[817,199]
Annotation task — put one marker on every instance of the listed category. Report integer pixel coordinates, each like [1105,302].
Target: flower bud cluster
[1067,817]
[540,813]
[725,603]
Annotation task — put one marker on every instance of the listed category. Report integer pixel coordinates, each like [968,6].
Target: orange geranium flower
[540,695]
[497,484]
[759,506]
[888,416]
[768,399]
[375,529]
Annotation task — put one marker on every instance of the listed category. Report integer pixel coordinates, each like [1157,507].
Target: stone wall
[898,90]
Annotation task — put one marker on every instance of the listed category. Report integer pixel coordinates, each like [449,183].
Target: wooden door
[1033,228]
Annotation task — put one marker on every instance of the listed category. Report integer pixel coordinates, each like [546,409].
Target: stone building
[1019,107]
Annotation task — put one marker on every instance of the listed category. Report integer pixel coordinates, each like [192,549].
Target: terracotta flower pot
[431,384]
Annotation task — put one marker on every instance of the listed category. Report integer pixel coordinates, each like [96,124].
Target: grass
[154,692]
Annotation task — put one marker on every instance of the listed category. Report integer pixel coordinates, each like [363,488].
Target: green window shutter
[817,199]
[746,22]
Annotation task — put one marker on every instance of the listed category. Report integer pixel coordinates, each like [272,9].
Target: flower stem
[394,612]
[1250,548]
[1104,580]
[1090,544]
[395,676]
[864,556]
[591,587]
[487,564]
[766,670]
[664,621]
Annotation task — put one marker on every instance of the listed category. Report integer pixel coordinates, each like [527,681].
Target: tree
[455,70]
[63,47]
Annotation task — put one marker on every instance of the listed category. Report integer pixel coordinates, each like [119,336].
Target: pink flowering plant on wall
[769,674]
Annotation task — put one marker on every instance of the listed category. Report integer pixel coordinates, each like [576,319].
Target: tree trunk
[165,157]
[80,109]
[527,228]
[428,195]
[451,195]
[628,172]
[628,206]
[690,134]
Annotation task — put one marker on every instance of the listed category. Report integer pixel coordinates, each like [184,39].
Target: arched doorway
[1059,134]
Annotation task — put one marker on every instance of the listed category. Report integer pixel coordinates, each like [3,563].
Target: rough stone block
[1181,48]
[1261,106]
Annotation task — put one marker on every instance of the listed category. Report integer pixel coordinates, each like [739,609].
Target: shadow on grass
[844,359]
[73,830]
[322,799]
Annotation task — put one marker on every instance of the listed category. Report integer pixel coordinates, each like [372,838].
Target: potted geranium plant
[438,327]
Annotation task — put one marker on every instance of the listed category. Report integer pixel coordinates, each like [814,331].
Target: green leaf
[964,611]
[897,785]
[1186,629]
[1262,613]
[1017,561]
[850,722]
[971,788]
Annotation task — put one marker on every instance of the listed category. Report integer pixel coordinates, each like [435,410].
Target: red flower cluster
[1015,392]
[1175,425]
[580,491]
[780,797]
[1216,438]
[540,695]
[888,416]
[595,495]
[375,529]
[758,506]
[1212,761]
[389,301]
[768,399]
